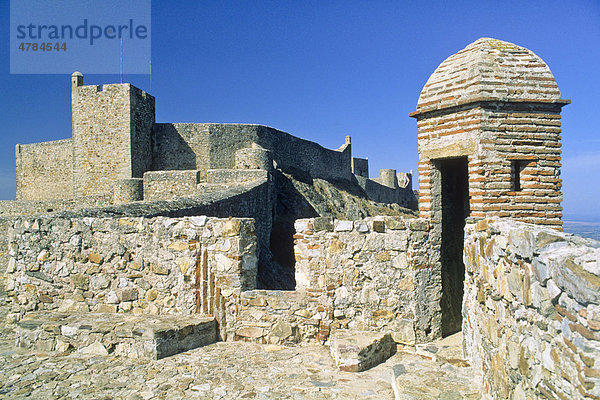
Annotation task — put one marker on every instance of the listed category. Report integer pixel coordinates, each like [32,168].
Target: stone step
[355,351]
[137,336]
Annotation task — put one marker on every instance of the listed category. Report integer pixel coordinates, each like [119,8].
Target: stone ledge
[222,176]
[135,336]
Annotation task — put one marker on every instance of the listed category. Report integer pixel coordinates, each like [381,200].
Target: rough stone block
[135,336]
[403,331]
[323,224]
[343,226]
[356,351]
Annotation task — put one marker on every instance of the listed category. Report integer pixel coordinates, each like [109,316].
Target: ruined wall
[111,136]
[142,265]
[44,171]
[532,310]
[380,274]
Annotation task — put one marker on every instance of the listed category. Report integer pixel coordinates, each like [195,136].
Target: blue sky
[321,70]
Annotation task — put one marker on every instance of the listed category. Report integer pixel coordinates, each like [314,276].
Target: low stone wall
[28,207]
[531,310]
[141,265]
[4,226]
[275,316]
[403,195]
[377,274]
[166,185]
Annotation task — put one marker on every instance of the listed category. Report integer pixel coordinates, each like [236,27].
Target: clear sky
[321,70]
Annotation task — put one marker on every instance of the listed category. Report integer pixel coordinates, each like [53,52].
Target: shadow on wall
[170,150]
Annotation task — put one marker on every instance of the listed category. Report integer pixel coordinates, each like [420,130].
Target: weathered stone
[128,294]
[151,295]
[69,305]
[94,349]
[179,246]
[336,246]
[159,269]
[112,297]
[282,330]
[403,331]
[378,226]
[259,301]
[342,226]
[359,351]
[81,281]
[515,284]
[322,224]
[382,256]
[250,332]
[95,258]
[107,308]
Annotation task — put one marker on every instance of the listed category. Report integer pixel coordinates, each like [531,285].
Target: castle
[275,239]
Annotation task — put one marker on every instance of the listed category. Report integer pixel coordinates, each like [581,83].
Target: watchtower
[112,129]
[489,145]
[489,136]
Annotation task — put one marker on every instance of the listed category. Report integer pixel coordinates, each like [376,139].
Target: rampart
[176,266]
[375,274]
[44,171]
[531,310]
[213,146]
[378,274]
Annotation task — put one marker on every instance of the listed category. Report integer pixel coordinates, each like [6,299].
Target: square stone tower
[112,130]
[489,136]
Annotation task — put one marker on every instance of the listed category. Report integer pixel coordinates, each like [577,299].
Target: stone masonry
[497,105]
[532,311]
[183,234]
[121,118]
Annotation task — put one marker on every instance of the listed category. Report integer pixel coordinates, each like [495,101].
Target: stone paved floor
[233,371]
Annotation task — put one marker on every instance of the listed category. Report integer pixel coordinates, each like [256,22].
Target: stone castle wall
[181,147]
[531,310]
[213,146]
[141,265]
[116,141]
[28,207]
[44,171]
[166,185]
[379,274]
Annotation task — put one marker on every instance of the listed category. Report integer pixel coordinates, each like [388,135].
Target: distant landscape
[585,229]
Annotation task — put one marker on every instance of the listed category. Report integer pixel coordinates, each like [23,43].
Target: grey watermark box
[92,36]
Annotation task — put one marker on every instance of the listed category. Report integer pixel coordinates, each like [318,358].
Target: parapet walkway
[233,370]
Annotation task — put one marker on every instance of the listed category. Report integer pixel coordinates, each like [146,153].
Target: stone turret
[112,129]
[492,110]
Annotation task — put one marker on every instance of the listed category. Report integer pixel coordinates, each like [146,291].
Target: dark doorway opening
[455,208]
